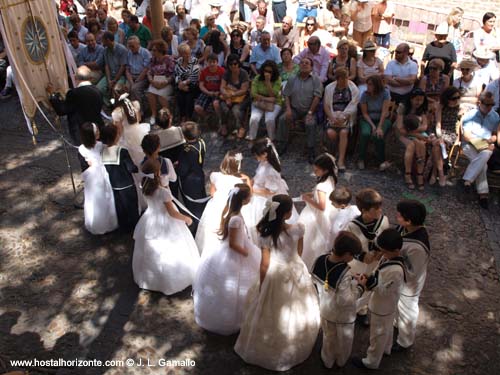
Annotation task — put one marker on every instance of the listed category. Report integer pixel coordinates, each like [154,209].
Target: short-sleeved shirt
[115,57]
[479,125]
[396,69]
[285,40]
[142,33]
[259,56]
[308,88]
[242,78]
[137,62]
[87,55]
[212,80]
[363,20]
[259,88]
[375,104]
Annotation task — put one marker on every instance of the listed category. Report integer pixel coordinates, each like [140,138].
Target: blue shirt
[115,57]
[136,62]
[480,126]
[86,55]
[259,56]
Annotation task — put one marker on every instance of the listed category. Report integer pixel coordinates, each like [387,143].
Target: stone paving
[67,294]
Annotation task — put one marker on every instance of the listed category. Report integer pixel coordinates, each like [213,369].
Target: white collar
[84,83]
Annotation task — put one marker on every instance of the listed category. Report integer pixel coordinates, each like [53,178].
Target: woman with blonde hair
[455,30]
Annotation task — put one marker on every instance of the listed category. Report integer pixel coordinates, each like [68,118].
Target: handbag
[234,99]
[264,105]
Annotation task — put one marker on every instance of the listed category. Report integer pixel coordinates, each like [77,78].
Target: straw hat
[168,7]
[215,3]
[369,46]
[342,42]
[442,29]
[483,53]
[468,63]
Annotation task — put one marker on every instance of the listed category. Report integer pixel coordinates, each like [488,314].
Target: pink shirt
[320,61]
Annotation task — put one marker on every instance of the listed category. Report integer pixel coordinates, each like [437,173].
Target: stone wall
[473,8]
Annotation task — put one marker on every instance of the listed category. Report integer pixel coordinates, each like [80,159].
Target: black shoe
[357,362]
[396,348]
[483,203]
[310,155]
[363,320]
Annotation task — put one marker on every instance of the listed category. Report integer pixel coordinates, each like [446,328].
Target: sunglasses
[310,24]
[488,104]
[454,98]
[465,69]
[233,63]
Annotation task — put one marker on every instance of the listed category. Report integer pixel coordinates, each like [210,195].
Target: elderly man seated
[302,95]
[318,55]
[480,133]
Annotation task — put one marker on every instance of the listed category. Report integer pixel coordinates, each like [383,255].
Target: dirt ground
[67,294]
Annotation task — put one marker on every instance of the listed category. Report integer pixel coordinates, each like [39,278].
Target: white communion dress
[206,235]
[266,177]
[99,206]
[317,224]
[282,319]
[223,280]
[165,254]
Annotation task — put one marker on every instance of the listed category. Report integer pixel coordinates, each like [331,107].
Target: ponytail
[237,196]
[265,145]
[273,221]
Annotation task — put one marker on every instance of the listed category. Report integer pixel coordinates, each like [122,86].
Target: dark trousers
[127,208]
[185,102]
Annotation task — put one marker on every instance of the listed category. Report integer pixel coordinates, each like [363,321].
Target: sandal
[409,181]
[420,181]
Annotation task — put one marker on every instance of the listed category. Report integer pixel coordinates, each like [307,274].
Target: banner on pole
[33,43]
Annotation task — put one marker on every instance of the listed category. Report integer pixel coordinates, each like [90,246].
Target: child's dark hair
[411,123]
[265,146]
[190,130]
[109,134]
[87,134]
[148,184]
[273,228]
[150,143]
[237,196]
[389,240]
[212,57]
[347,243]
[368,198]
[341,196]
[164,120]
[231,163]
[326,162]
[420,110]
[412,211]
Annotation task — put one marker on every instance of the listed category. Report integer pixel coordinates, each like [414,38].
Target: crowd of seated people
[248,75]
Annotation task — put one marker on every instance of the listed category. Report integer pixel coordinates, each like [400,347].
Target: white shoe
[383,166]
[152,120]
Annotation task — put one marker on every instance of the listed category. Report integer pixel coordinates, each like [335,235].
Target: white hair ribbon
[271,144]
[271,207]
[232,193]
[334,162]
[238,157]
[94,128]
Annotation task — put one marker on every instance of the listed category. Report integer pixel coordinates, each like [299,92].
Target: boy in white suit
[386,284]
[338,292]
[416,251]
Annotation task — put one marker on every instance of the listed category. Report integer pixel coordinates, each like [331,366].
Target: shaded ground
[67,294]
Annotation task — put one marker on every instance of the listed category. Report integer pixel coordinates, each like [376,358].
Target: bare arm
[176,214]
[320,204]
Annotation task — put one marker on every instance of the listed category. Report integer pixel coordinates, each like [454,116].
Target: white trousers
[337,343]
[269,118]
[381,333]
[477,168]
[407,320]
